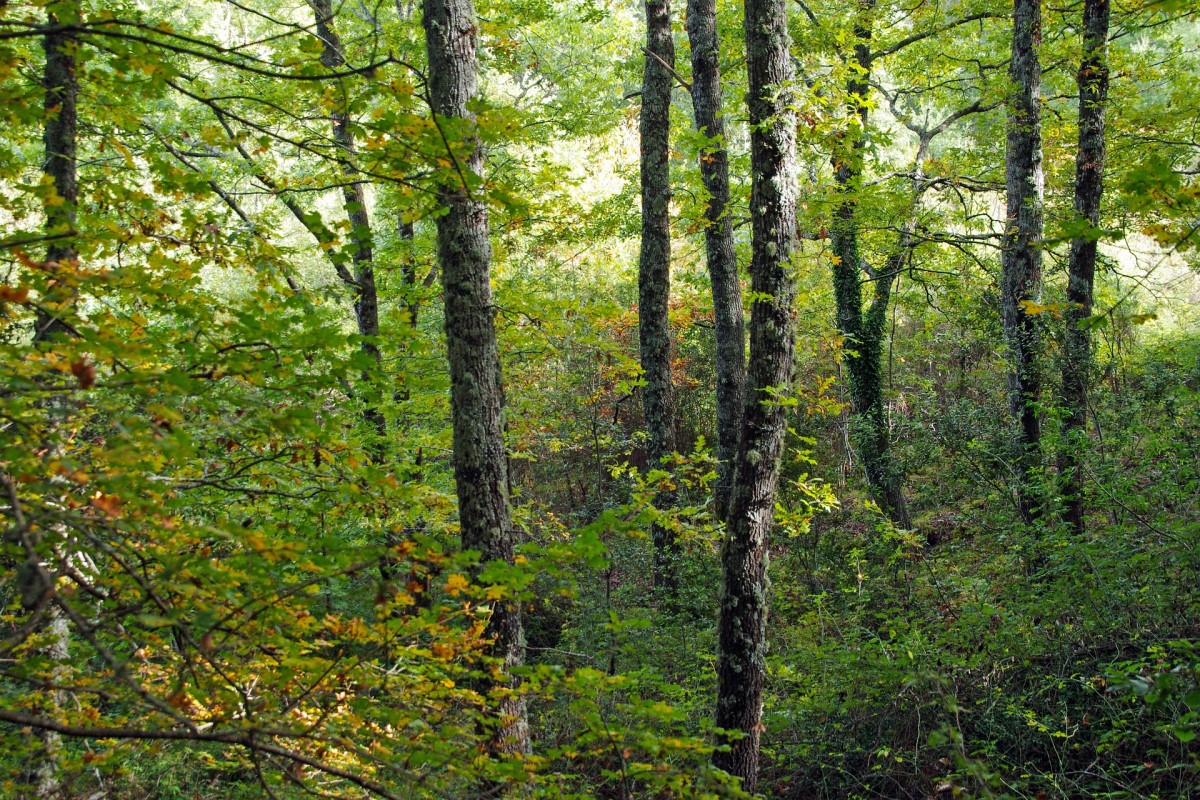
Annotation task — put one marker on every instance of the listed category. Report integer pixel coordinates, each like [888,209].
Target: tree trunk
[654,264]
[61,84]
[1021,272]
[718,241]
[354,199]
[741,664]
[464,253]
[865,331]
[1081,266]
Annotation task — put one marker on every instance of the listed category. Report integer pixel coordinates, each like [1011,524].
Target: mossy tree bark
[1021,264]
[654,265]
[729,324]
[1092,80]
[742,641]
[476,395]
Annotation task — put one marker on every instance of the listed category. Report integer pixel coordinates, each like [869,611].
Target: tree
[742,640]
[729,323]
[60,82]
[865,330]
[1021,265]
[654,262]
[1092,80]
[354,198]
[464,255]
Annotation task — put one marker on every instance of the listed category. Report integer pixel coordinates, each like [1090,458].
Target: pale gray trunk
[1081,266]
[464,253]
[1021,272]
[654,264]
[728,318]
[742,643]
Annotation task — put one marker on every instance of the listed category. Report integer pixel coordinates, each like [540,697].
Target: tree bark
[61,84]
[723,264]
[1081,265]
[728,317]
[464,253]
[864,330]
[354,200]
[1021,270]
[741,661]
[654,265]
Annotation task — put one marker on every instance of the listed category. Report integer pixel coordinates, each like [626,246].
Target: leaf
[456,584]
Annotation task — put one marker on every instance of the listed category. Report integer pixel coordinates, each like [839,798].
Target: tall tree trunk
[464,253]
[1081,266]
[1021,272]
[864,330]
[354,199]
[654,264]
[718,241]
[741,656]
[61,85]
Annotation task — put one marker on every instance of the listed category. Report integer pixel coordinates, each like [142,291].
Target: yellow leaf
[456,583]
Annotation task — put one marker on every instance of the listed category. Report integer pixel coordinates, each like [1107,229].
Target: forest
[795,399]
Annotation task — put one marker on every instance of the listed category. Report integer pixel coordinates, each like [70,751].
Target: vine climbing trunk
[1021,259]
[742,641]
[864,329]
[654,265]
[476,396]
[354,200]
[1081,265]
[728,318]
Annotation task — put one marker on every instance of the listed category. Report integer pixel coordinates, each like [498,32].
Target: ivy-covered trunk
[728,318]
[354,199]
[1021,270]
[654,263]
[742,639]
[1081,266]
[864,330]
[464,255]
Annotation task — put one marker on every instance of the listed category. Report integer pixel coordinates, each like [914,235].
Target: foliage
[262,600]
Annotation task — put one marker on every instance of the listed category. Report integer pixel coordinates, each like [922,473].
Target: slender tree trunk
[61,84]
[865,330]
[464,253]
[1021,272]
[354,199]
[1081,266]
[741,657]
[718,241]
[654,264]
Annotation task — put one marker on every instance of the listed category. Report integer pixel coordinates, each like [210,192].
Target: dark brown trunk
[1021,270]
[464,253]
[742,642]
[61,84]
[654,266]
[864,330]
[1081,266]
[728,317]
